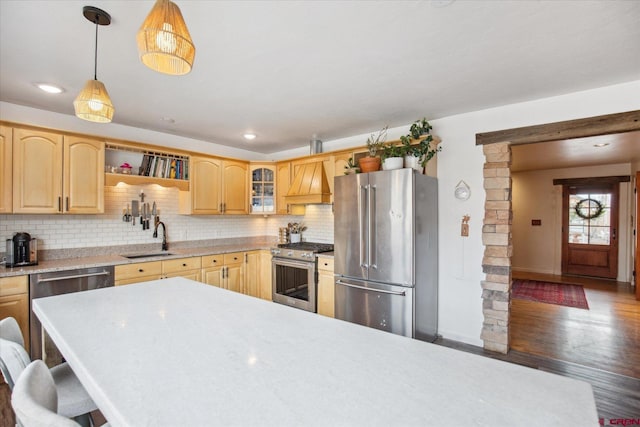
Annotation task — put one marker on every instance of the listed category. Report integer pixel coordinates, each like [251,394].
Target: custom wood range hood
[309,186]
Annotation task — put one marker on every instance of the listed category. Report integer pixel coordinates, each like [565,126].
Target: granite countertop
[275,366]
[73,262]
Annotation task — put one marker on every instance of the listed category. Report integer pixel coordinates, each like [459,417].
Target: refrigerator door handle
[361,224]
[372,229]
[382,291]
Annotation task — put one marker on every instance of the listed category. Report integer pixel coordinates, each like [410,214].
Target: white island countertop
[175,352]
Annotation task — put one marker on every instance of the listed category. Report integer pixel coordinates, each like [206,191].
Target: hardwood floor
[606,337]
[617,396]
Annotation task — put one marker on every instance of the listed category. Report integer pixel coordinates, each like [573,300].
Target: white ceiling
[288,70]
[569,153]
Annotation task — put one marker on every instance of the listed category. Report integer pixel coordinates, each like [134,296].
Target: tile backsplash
[77,231]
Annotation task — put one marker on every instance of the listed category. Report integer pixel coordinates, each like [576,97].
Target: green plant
[351,166]
[422,150]
[393,150]
[375,143]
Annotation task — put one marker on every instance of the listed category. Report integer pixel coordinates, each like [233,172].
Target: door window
[590,218]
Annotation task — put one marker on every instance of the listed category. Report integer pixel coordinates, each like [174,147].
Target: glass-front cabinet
[263,179]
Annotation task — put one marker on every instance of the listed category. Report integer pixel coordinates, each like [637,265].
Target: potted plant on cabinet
[351,168]
[375,144]
[392,156]
[417,156]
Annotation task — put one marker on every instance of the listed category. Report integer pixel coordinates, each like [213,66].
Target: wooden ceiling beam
[580,128]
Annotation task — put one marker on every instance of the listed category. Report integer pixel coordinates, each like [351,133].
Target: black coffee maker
[22,250]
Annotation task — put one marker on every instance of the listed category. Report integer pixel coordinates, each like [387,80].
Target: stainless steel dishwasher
[58,283]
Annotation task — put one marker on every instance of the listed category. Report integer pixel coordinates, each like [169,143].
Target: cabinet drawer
[139,279]
[182,264]
[233,258]
[14,285]
[325,264]
[142,269]
[193,275]
[212,261]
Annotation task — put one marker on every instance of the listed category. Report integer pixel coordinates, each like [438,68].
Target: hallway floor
[607,336]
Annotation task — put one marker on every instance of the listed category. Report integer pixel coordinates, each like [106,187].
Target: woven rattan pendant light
[164,42]
[93,102]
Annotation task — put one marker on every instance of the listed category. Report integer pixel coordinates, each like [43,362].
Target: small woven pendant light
[93,102]
[164,42]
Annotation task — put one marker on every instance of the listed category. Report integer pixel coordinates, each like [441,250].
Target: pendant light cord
[95,52]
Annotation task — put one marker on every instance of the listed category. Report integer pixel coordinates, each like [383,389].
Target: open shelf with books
[137,165]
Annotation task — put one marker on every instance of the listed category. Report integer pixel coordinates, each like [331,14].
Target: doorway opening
[497,225]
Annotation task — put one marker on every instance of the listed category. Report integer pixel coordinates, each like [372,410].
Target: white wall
[460,303]
[539,248]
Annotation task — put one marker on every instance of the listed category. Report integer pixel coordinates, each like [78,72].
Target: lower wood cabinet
[265,276]
[326,287]
[14,302]
[138,272]
[189,268]
[242,272]
[224,271]
[252,274]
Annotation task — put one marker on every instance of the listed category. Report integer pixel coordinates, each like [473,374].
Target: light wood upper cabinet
[283,182]
[235,187]
[83,180]
[37,171]
[262,191]
[217,187]
[205,196]
[56,174]
[6,159]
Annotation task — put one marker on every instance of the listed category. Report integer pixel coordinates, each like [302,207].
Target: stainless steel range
[295,273]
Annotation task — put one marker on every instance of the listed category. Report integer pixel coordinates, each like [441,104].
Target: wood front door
[590,230]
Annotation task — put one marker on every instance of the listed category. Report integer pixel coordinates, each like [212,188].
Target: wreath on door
[584,208]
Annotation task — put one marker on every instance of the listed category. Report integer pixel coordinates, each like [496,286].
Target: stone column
[496,236]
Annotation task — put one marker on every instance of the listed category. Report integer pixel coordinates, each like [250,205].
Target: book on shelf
[164,167]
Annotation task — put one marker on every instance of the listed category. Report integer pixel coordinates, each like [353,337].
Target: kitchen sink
[147,255]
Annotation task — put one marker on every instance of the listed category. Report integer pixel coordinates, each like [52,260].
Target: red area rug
[550,293]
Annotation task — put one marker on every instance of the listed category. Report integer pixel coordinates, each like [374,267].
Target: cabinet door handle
[214,261]
[220,208]
[59,204]
[67,203]
[246,258]
[140,270]
[184,265]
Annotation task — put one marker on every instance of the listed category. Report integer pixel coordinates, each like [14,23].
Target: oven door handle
[364,288]
[307,265]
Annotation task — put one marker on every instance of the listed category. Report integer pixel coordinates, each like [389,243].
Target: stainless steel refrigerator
[386,251]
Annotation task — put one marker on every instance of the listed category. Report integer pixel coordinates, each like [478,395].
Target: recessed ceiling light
[603,144]
[49,88]
[250,136]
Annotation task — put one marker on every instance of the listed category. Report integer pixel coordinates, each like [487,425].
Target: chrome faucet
[165,246]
